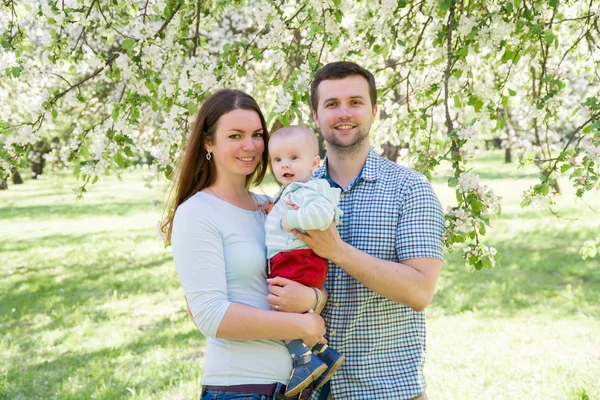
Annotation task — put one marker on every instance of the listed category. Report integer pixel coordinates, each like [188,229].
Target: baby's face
[292,158]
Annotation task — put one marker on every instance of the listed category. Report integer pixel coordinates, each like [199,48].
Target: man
[387,256]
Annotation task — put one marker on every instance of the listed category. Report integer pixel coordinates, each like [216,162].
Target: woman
[218,239]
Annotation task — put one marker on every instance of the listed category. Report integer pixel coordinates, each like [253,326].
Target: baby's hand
[266,207]
[285,225]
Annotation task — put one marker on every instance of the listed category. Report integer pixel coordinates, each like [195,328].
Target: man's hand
[326,244]
[290,296]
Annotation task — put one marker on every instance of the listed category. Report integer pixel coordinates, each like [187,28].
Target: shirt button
[336,304]
[340,222]
[333,332]
[339,276]
[342,195]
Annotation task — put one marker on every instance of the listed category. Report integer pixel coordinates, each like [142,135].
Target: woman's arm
[198,253]
[242,322]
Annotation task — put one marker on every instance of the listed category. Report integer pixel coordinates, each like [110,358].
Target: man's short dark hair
[340,70]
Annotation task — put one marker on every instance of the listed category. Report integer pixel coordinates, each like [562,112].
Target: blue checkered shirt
[392,213]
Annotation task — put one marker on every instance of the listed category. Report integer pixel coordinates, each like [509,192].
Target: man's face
[344,113]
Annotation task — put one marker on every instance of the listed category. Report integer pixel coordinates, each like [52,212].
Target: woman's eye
[294,157]
[258,134]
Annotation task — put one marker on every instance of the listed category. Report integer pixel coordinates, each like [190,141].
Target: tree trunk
[322,147]
[37,168]
[17,180]
[4,185]
[391,152]
[507,155]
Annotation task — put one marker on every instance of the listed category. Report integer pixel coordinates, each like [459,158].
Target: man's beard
[346,149]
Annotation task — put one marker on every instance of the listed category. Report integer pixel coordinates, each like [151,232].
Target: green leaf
[135,113]
[54,113]
[512,92]
[256,53]
[445,5]
[517,3]
[508,55]
[549,37]
[338,16]
[169,172]
[119,159]
[95,179]
[459,197]
[482,229]
[241,72]
[486,262]
[128,44]
[565,167]
[457,101]
[128,151]
[452,182]
[337,2]
[15,71]
[476,206]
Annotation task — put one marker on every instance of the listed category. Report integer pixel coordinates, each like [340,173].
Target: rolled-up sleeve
[198,254]
[421,223]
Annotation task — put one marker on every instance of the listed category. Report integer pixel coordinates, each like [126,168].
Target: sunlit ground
[90,305]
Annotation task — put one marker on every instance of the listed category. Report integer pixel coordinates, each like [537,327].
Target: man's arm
[418,244]
[411,282]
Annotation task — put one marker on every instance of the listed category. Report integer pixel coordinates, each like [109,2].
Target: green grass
[91,307]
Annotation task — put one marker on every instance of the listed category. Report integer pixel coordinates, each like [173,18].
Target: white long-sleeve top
[308,205]
[220,256]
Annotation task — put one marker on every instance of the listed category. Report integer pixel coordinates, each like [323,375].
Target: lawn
[91,307]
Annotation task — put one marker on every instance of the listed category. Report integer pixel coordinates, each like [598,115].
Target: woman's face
[238,144]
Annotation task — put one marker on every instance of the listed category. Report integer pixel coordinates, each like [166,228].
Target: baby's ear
[316,162]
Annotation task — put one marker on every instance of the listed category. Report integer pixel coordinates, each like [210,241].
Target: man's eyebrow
[351,97]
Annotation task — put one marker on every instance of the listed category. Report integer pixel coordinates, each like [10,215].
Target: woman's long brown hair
[194,171]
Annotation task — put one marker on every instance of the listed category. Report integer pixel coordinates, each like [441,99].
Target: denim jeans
[224,395]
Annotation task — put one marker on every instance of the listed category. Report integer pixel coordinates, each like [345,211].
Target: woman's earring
[208,155]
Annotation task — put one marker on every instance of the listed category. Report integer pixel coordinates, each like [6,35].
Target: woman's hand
[290,296]
[313,329]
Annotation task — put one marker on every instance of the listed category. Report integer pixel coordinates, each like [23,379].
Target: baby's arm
[315,212]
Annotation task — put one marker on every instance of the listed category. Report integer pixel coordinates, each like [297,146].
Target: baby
[301,204]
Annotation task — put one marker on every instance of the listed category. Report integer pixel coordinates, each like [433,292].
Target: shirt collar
[367,173]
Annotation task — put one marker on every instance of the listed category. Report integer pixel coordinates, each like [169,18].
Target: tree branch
[198,4]
[575,132]
[449,123]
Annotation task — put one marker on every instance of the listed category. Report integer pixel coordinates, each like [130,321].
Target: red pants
[302,266]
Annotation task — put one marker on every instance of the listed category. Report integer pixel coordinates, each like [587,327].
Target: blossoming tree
[119,78]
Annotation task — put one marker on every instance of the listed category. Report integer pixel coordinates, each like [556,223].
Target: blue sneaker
[307,368]
[332,358]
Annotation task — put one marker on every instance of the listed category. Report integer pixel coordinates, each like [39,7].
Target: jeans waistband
[266,389]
